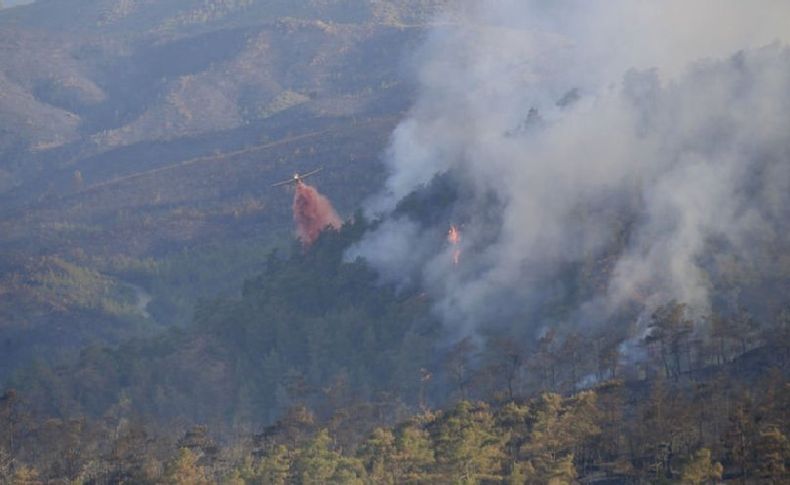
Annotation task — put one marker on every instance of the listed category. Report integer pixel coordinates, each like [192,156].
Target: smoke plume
[312,213]
[639,146]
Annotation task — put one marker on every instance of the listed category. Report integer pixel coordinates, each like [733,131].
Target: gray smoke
[644,140]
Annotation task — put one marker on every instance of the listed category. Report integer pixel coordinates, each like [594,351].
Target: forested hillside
[310,328]
[318,374]
[697,435]
[139,140]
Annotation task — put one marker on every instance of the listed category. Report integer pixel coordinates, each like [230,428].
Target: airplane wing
[284,182]
[311,173]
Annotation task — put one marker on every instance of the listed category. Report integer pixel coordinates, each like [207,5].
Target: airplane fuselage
[297,178]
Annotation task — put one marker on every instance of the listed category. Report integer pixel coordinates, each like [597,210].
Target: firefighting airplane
[297,178]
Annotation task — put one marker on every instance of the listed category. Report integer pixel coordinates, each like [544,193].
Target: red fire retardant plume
[312,213]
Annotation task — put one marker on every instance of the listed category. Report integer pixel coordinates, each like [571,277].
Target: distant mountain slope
[201,198]
[135,132]
[124,71]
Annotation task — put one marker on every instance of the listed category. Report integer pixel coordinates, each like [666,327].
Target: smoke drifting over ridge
[649,134]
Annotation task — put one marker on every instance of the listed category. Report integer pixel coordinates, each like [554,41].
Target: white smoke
[576,114]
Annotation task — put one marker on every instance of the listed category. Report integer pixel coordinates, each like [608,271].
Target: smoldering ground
[639,147]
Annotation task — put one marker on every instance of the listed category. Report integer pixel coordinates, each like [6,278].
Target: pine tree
[458,364]
[739,440]
[468,448]
[670,329]
[512,419]
[701,469]
[378,454]
[548,448]
[773,451]
[316,462]
[275,467]
[184,470]
[26,476]
[415,454]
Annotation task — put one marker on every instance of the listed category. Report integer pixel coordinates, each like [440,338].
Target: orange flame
[454,237]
